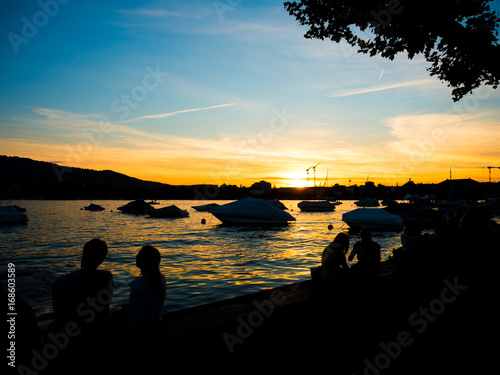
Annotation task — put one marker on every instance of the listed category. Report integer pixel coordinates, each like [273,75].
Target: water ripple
[202,263]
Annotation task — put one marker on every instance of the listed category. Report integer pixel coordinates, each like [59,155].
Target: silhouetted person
[81,300]
[411,238]
[438,248]
[333,261]
[147,296]
[367,252]
[84,295]
[442,235]
[475,255]
[410,254]
[477,245]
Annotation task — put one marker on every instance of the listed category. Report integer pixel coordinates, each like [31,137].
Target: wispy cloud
[365,90]
[380,77]
[150,12]
[430,143]
[158,13]
[162,115]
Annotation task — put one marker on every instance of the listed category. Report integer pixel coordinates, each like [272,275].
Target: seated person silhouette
[367,252]
[83,296]
[147,296]
[333,260]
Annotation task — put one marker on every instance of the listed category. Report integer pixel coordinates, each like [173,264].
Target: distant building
[369,184]
[465,183]
[261,185]
[459,189]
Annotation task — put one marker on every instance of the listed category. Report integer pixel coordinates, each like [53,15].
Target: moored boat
[137,207]
[493,206]
[368,202]
[205,207]
[277,203]
[168,212]
[316,206]
[373,218]
[11,215]
[251,211]
[93,207]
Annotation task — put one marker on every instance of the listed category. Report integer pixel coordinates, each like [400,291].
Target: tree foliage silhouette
[459,38]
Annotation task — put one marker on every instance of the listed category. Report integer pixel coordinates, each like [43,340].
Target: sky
[227,92]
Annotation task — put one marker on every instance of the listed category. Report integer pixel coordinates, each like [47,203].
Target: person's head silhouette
[94,253]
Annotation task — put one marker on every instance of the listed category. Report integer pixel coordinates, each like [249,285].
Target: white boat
[11,215]
[373,218]
[251,211]
[316,206]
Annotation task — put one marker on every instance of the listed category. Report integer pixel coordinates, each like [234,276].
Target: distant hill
[16,170]
[27,178]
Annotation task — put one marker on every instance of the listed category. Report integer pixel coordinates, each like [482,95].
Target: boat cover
[373,218]
[10,215]
[138,206]
[316,206]
[168,212]
[205,207]
[368,202]
[251,210]
[94,207]
[277,203]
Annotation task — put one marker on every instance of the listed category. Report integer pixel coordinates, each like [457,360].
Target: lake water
[202,262]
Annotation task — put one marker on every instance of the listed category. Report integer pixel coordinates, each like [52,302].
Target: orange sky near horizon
[423,147]
[202,168]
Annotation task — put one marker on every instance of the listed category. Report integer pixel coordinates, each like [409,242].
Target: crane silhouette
[314,169]
[489,168]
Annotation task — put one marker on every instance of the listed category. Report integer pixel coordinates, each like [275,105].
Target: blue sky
[226,92]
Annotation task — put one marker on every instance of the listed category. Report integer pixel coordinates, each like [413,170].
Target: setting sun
[294,179]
